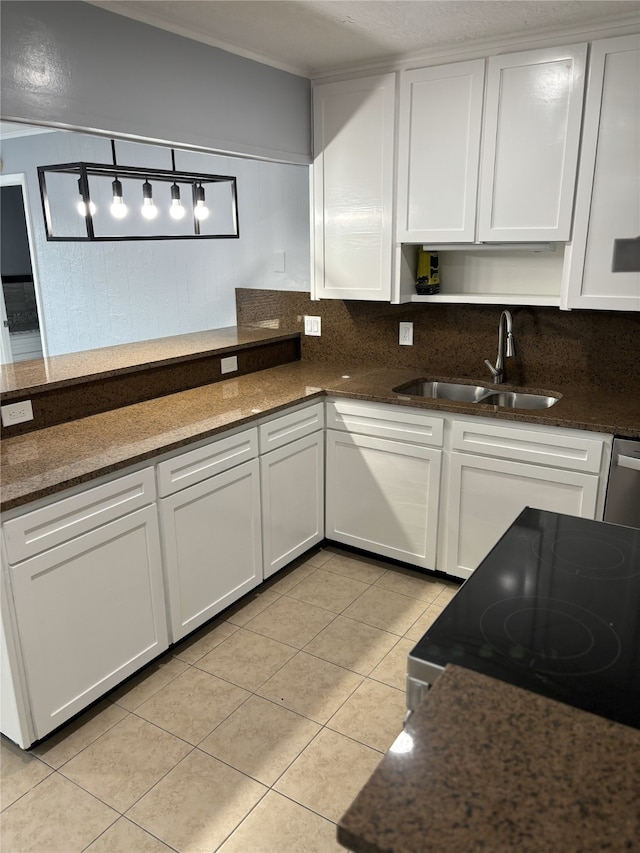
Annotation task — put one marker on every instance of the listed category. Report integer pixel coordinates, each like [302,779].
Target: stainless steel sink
[462,393]
[444,391]
[518,400]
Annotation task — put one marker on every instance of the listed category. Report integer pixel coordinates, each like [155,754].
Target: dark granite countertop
[484,765]
[58,371]
[49,460]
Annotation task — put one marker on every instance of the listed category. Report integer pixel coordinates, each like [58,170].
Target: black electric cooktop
[554,608]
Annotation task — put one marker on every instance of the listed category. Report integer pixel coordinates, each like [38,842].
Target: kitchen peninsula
[486,765]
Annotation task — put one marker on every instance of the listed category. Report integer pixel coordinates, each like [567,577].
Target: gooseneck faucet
[505,328]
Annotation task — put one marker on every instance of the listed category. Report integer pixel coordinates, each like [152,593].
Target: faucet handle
[495,373]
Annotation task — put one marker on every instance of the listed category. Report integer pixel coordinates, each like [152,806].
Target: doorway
[21,335]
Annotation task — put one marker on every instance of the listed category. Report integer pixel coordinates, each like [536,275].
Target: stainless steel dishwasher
[622,505]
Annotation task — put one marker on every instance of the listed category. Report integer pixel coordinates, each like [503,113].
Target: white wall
[101,294]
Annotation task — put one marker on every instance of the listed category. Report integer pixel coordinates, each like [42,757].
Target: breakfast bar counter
[484,765]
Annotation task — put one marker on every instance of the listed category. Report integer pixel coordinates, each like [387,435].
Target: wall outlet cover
[405,337]
[229,364]
[16,413]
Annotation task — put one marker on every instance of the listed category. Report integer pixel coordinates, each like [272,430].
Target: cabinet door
[438,152]
[531,136]
[211,538]
[486,495]
[353,187]
[89,613]
[292,487]
[382,496]
[608,199]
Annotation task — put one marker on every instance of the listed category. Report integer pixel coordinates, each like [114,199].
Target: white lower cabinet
[292,485]
[212,549]
[441,491]
[88,612]
[383,479]
[495,470]
[292,482]
[486,495]
[382,496]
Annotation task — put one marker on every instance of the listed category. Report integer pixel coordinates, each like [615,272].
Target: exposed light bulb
[118,208]
[200,211]
[176,211]
[81,207]
[149,210]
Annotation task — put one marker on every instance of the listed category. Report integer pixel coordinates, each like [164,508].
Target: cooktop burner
[555,608]
[601,556]
[549,635]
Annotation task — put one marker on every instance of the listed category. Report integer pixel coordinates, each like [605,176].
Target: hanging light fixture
[81,206]
[176,211]
[200,210]
[149,210]
[99,224]
[118,208]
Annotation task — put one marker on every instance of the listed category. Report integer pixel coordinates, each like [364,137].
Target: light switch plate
[312,326]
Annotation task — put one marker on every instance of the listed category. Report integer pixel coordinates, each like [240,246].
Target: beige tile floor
[252,736]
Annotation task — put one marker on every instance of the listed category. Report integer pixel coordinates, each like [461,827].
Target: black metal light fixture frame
[142,173]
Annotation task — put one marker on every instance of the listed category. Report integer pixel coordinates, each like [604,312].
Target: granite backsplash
[599,348]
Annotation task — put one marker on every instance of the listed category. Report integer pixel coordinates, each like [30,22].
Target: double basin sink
[475,394]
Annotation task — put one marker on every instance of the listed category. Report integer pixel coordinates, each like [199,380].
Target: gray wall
[101,294]
[80,66]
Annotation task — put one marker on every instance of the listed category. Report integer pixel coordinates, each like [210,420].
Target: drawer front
[559,450]
[204,462]
[37,531]
[289,427]
[394,422]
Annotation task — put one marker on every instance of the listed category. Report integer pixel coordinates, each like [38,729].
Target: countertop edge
[270,390]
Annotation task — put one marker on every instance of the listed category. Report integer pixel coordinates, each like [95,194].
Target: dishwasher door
[622,505]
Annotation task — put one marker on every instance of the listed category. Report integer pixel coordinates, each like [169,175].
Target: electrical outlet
[229,364]
[312,326]
[405,338]
[16,413]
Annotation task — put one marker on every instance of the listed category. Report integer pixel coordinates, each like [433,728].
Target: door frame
[20,180]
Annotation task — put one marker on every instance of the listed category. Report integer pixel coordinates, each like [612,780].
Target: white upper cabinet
[353,187]
[531,137]
[523,141]
[608,196]
[439,151]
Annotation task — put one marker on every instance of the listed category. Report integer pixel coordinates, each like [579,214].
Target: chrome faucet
[504,349]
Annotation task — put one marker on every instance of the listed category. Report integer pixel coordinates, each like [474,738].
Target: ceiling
[316,37]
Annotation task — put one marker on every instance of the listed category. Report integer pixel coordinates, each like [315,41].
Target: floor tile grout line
[171,654]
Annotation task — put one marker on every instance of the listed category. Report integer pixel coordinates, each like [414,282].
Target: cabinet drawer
[559,450]
[395,422]
[65,519]
[197,465]
[291,426]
